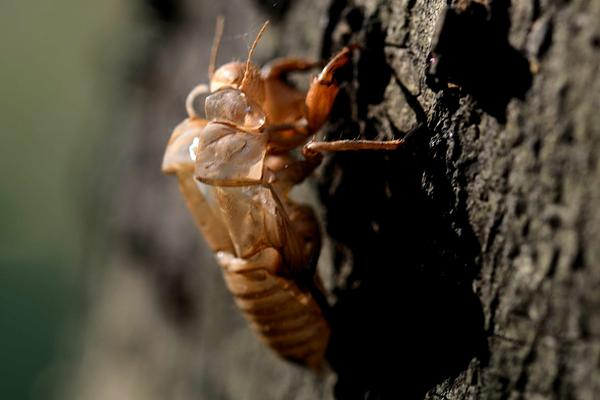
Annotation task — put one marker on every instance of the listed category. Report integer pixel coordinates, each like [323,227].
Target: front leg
[281,66]
[323,90]
[284,103]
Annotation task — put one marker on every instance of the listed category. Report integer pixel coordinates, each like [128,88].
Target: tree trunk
[464,265]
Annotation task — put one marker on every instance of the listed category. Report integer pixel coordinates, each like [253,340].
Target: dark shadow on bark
[471,49]
[407,317]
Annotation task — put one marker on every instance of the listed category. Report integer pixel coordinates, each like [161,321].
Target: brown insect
[236,167]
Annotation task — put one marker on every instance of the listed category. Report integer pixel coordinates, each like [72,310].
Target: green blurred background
[60,79]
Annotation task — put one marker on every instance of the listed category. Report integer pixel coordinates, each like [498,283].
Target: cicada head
[228,75]
[231,75]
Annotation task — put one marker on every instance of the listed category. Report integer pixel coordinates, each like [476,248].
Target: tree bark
[464,265]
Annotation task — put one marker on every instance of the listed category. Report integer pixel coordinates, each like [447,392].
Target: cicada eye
[197,92]
[232,105]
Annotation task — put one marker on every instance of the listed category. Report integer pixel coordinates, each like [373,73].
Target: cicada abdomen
[286,318]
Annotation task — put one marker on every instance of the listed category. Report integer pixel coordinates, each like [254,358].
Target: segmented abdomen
[284,317]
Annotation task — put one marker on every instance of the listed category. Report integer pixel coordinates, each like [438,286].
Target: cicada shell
[236,166]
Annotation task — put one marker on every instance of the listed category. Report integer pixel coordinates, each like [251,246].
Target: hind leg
[313,148]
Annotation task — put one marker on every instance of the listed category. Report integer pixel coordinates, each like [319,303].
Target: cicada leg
[323,90]
[315,147]
[351,145]
[281,66]
[284,103]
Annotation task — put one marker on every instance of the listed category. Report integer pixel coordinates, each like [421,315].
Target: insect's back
[288,319]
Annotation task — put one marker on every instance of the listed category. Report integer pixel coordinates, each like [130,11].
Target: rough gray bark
[466,265]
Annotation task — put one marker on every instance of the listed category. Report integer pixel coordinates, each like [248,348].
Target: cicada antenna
[215,46]
[258,36]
